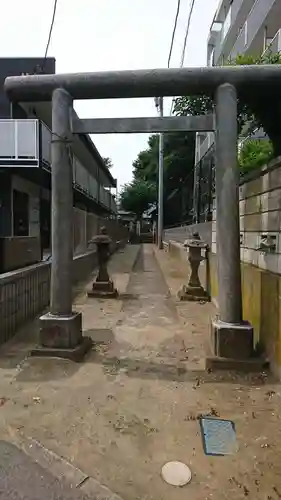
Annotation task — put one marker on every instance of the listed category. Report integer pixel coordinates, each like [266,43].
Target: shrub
[254,153]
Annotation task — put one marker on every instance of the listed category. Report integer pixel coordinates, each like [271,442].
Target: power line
[174,32]
[187,32]
[50,31]
[185,42]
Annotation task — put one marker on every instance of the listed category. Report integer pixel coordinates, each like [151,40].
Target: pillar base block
[103,290]
[238,365]
[61,336]
[60,331]
[231,349]
[233,341]
[75,354]
[193,293]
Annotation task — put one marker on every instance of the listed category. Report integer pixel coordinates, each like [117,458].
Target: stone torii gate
[61,328]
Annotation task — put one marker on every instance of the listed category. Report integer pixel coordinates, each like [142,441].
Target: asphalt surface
[23,479]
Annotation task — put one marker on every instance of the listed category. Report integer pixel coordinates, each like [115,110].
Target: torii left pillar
[61,328]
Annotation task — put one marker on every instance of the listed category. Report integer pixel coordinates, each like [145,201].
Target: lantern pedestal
[194,290]
[103,289]
[103,286]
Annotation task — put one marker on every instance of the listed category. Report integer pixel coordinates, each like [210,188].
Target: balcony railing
[19,146]
[205,146]
[229,22]
[255,20]
[275,46]
[19,141]
[83,181]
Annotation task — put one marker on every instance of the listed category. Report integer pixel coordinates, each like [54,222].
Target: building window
[20,213]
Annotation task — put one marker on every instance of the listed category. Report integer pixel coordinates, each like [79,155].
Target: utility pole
[159,106]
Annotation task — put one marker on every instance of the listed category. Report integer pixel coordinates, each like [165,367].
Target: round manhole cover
[176,473]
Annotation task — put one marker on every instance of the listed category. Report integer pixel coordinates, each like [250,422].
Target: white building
[238,27]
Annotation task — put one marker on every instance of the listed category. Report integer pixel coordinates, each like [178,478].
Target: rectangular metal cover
[219,436]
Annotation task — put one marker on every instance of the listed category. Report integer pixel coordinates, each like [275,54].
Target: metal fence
[204,188]
[23,293]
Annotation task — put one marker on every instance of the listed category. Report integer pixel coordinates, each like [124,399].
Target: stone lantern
[103,286]
[194,290]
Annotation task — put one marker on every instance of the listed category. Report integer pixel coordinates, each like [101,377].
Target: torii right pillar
[232,337]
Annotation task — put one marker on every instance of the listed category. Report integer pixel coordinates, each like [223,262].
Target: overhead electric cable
[174,32]
[185,43]
[187,32]
[50,32]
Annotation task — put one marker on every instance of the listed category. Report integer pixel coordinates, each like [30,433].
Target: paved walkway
[134,403]
[23,479]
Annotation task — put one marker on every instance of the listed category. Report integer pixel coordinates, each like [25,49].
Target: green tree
[178,172]
[257,107]
[137,197]
[145,167]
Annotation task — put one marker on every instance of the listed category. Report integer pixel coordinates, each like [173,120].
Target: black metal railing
[204,190]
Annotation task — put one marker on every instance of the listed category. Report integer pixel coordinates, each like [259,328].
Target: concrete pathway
[135,402]
[23,479]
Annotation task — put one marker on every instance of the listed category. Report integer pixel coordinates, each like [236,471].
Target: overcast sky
[98,35]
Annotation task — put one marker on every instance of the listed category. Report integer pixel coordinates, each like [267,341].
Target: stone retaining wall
[260,216]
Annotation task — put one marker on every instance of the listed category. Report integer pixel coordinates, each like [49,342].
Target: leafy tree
[108,162]
[258,107]
[145,167]
[254,154]
[138,196]
[178,171]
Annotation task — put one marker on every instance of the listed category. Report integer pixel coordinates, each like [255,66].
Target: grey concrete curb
[62,469]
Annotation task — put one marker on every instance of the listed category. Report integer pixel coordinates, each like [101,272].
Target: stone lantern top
[102,238]
[195,242]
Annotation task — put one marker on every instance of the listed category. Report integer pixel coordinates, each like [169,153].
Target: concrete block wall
[260,215]
[184,232]
[17,252]
[86,225]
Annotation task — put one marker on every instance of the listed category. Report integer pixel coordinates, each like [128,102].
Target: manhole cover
[176,473]
[219,437]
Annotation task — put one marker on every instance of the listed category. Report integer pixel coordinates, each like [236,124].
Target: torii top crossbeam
[143,83]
